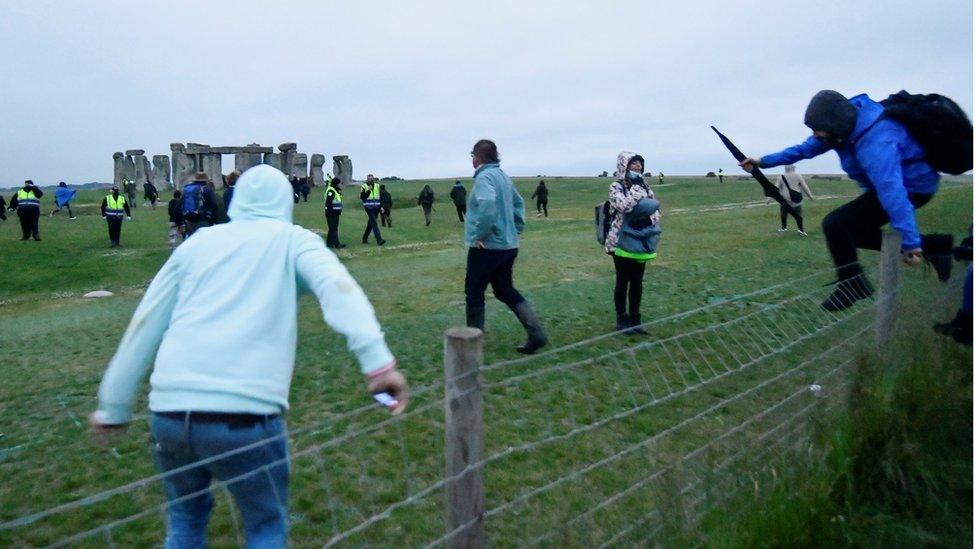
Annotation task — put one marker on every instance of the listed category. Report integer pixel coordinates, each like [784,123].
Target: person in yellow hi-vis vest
[27,202]
[114,206]
[369,193]
[333,209]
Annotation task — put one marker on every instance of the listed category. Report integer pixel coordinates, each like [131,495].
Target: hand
[479,244]
[128,218]
[912,257]
[105,434]
[393,383]
[748,164]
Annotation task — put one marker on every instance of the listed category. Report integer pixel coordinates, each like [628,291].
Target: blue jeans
[261,493]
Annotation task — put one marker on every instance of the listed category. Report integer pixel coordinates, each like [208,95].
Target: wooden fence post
[464,437]
[888,291]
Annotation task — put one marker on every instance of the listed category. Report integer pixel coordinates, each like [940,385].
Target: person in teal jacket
[495,217]
[889,166]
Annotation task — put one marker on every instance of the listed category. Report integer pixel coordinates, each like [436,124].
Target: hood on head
[623,159]
[790,168]
[262,192]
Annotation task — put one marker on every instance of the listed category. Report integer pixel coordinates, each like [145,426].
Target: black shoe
[37,238]
[959,328]
[848,292]
[623,322]
[381,242]
[937,251]
[365,241]
[340,246]
[635,326]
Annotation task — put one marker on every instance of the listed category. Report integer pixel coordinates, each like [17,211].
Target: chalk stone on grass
[98,293]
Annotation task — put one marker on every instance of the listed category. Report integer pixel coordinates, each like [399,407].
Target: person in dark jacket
[3,209]
[889,165]
[459,195]
[386,207]
[199,194]
[27,202]
[150,193]
[426,202]
[333,210]
[114,206]
[229,192]
[369,193]
[541,196]
[177,225]
[296,190]
[304,188]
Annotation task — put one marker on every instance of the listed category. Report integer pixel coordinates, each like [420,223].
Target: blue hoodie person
[890,167]
[62,199]
[220,318]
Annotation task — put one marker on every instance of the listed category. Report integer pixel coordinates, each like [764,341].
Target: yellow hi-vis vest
[372,201]
[114,207]
[336,198]
[27,199]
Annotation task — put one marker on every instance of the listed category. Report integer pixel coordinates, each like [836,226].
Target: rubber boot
[533,328]
[852,286]
[476,317]
[635,325]
[959,328]
[937,251]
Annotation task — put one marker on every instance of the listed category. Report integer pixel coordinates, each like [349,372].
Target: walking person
[199,204]
[216,412]
[541,196]
[721,176]
[496,216]
[426,203]
[150,193]
[792,187]
[62,199]
[459,195]
[627,192]
[369,193]
[114,206]
[3,209]
[27,202]
[228,195]
[129,187]
[177,226]
[333,210]
[386,207]
[889,166]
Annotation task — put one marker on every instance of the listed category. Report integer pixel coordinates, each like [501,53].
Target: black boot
[635,325]
[476,317]
[623,322]
[937,251]
[959,328]
[537,334]
[851,287]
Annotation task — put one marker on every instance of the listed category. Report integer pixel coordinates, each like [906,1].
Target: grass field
[719,243]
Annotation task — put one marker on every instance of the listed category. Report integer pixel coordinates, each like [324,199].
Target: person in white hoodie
[221,319]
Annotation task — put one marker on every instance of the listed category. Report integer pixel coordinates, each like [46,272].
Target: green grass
[57,345]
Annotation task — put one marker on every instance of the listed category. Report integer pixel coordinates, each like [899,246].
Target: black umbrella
[768,188]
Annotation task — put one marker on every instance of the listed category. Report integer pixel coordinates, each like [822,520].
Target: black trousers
[332,237]
[490,267]
[857,224]
[372,225]
[66,206]
[426,208]
[629,289]
[461,210]
[114,229]
[542,206]
[28,222]
[783,212]
[386,218]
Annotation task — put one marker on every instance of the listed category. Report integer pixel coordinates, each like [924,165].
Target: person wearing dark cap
[114,206]
[459,195]
[889,165]
[27,202]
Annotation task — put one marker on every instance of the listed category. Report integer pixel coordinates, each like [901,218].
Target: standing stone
[316,175]
[160,172]
[288,151]
[182,165]
[142,169]
[342,169]
[299,167]
[274,160]
[128,169]
[118,172]
[211,165]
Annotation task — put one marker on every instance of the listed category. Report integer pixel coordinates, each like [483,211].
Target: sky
[405,88]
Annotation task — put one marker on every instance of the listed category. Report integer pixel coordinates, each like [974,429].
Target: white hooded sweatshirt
[222,313]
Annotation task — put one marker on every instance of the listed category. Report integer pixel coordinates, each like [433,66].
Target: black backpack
[938,124]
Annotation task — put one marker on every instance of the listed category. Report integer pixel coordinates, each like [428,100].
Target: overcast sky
[405,88]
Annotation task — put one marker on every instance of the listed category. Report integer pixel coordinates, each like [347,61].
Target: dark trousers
[28,222]
[66,206]
[114,229]
[630,285]
[490,267]
[332,237]
[542,206]
[461,210]
[192,226]
[857,224]
[386,217]
[783,212]
[371,225]
[426,208]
